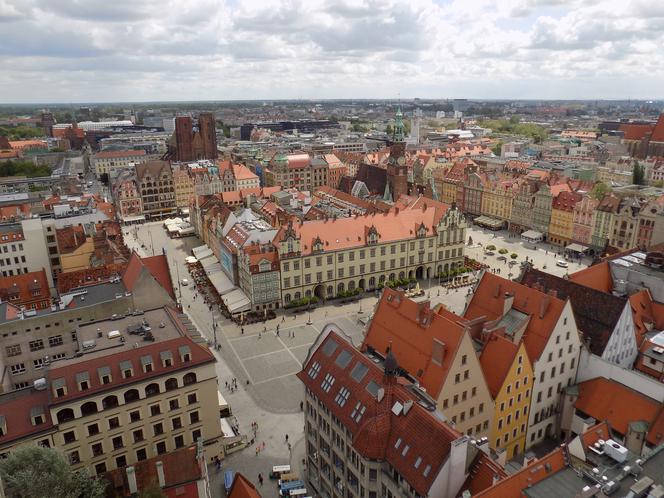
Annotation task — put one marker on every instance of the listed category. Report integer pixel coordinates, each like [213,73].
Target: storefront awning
[574,247]
[236,301]
[222,284]
[201,251]
[132,219]
[532,235]
[489,222]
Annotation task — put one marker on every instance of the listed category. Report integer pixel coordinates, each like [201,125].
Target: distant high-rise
[193,143]
[184,138]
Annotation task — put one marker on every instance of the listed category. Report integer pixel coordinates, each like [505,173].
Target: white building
[102,125]
[109,161]
[26,247]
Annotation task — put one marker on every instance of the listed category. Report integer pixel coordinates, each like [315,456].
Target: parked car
[185,282]
[562,263]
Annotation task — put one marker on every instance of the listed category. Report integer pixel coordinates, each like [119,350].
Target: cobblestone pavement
[265,363]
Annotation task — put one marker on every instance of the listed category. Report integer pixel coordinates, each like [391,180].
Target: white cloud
[88,50]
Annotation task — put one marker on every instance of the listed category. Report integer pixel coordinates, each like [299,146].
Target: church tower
[397,171]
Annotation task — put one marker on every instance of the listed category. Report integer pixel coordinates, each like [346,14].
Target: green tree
[23,168]
[36,472]
[658,184]
[638,174]
[600,190]
[389,130]
[496,149]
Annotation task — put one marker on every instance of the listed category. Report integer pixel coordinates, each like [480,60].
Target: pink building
[583,220]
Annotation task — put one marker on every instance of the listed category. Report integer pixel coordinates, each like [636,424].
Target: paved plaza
[265,363]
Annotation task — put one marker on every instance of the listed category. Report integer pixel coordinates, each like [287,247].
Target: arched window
[330,290]
[89,408]
[65,415]
[297,295]
[131,395]
[308,293]
[151,389]
[189,379]
[287,298]
[372,282]
[109,402]
[171,384]
[340,287]
[381,279]
[351,285]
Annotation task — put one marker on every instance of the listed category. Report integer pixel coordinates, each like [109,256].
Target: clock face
[401,161]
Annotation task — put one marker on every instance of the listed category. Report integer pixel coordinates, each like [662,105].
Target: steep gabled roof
[410,329]
[489,301]
[496,359]
[596,277]
[157,266]
[242,488]
[596,312]
[482,474]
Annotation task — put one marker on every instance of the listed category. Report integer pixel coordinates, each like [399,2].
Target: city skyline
[272,50]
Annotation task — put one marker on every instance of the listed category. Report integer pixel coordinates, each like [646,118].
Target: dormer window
[146,363]
[104,375]
[37,415]
[166,359]
[372,235]
[317,246]
[185,354]
[59,387]
[83,381]
[127,369]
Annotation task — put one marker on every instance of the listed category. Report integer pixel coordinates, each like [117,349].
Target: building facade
[111,161]
[155,184]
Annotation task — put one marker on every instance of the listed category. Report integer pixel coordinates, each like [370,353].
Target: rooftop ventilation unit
[616,451]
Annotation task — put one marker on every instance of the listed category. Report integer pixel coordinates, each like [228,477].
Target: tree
[389,130]
[638,174]
[34,471]
[600,190]
[496,149]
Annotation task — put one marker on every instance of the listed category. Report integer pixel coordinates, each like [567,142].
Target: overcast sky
[136,50]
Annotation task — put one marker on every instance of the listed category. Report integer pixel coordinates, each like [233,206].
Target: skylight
[314,369]
[359,371]
[342,396]
[327,383]
[330,347]
[372,388]
[343,359]
[358,411]
[427,469]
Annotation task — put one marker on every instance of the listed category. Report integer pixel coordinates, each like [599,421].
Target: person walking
[286,437]
[260,479]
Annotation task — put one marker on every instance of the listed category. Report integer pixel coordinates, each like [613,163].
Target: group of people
[232,385]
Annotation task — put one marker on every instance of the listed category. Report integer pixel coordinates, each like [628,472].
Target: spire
[387,195]
[399,128]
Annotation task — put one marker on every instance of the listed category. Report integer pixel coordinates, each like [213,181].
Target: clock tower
[397,170]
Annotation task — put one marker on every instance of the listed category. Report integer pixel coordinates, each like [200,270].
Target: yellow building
[184,187]
[509,374]
[497,199]
[561,226]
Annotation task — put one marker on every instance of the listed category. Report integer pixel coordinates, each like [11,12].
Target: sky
[155,50]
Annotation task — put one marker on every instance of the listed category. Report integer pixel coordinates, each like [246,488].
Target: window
[13,350]
[74,458]
[327,383]
[117,442]
[121,461]
[174,404]
[155,410]
[134,416]
[464,359]
[158,429]
[141,454]
[18,368]
[314,369]
[177,423]
[357,412]
[100,468]
[192,398]
[97,449]
[196,435]
[93,430]
[194,418]
[571,363]
[457,378]
[36,345]
[161,447]
[179,441]
[138,435]
[69,437]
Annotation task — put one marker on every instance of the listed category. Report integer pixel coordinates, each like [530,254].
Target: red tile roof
[496,359]
[489,298]
[379,433]
[89,276]
[658,131]
[156,265]
[565,201]
[344,233]
[410,328]
[634,131]
[536,471]
[16,406]
[482,474]
[618,405]
[596,277]
[243,488]
[20,290]
[70,238]
[180,467]
[646,313]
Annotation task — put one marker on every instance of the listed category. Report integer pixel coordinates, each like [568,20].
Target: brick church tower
[397,170]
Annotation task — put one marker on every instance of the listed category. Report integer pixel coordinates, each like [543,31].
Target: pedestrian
[289,447]
[286,437]
[264,330]
[242,330]
[301,405]
[259,335]
[226,383]
[263,443]
[283,318]
[277,332]
[260,479]
[256,450]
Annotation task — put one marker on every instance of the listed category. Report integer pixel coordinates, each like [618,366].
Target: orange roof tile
[496,359]
[482,474]
[26,289]
[409,329]
[596,277]
[489,298]
[635,131]
[536,471]
[243,488]
[658,131]
[344,233]
[618,405]
[241,172]
[16,410]
[656,433]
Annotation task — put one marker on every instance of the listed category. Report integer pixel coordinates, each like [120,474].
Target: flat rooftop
[111,336]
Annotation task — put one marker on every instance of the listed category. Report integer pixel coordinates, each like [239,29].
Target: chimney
[131,480]
[508,302]
[544,305]
[553,293]
[160,474]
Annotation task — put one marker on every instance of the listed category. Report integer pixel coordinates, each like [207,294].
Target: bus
[277,470]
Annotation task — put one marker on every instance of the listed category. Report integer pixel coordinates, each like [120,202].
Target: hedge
[296,303]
